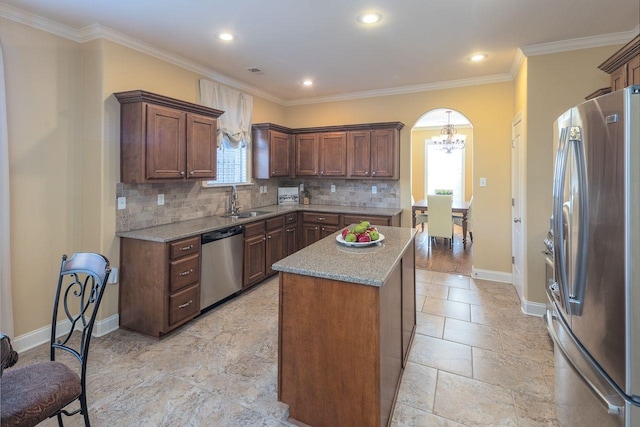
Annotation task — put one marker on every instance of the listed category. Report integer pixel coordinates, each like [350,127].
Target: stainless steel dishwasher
[222,261]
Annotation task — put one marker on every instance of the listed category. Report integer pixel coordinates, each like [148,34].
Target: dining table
[457,206]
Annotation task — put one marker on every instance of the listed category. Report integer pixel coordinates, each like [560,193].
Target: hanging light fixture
[449,139]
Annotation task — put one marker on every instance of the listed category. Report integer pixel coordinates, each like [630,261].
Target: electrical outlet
[333,188]
[301,187]
[374,189]
[160,199]
[483,182]
[122,203]
[264,189]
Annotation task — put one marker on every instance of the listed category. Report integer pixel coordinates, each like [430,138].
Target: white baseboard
[496,276]
[533,308]
[43,335]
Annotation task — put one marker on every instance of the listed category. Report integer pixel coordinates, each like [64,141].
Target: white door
[517,208]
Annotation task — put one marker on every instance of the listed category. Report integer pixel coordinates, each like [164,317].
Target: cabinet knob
[182,173]
[321,172]
[373,173]
[316,227]
[268,237]
[366,172]
[191,173]
[320,218]
[263,239]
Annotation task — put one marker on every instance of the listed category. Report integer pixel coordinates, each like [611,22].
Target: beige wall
[554,83]
[489,108]
[418,169]
[64,153]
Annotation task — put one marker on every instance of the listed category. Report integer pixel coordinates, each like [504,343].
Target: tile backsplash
[184,201]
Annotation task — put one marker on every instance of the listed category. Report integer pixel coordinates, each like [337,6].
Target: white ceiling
[419,44]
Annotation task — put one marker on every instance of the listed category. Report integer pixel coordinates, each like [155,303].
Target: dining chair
[420,218]
[30,394]
[457,219]
[440,219]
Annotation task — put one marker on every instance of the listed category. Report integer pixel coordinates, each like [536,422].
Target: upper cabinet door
[359,154]
[165,143]
[201,147]
[307,154]
[333,154]
[279,154]
[384,154]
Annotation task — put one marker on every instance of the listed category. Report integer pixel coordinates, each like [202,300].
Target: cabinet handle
[320,218]
[186,248]
[186,273]
[268,237]
[291,219]
[186,304]
[182,173]
[191,173]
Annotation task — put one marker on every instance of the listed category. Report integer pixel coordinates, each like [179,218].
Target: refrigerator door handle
[559,241]
[612,400]
[576,296]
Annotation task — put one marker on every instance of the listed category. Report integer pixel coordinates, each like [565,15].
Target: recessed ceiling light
[308,82]
[370,18]
[225,36]
[478,57]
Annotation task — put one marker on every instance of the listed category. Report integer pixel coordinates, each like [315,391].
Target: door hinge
[513,260]
[513,201]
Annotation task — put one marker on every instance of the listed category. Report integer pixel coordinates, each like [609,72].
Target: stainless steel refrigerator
[594,311]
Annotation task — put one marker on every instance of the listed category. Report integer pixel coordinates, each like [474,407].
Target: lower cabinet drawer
[321,218]
[184,272]
[184,304]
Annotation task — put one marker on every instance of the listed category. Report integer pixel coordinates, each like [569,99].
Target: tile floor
[476,360]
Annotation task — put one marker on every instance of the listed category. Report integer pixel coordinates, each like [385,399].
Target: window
[445,171]
[232,166]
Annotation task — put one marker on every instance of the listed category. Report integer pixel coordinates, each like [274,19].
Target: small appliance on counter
[288,196]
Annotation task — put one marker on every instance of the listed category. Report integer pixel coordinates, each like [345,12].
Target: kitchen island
[347,317]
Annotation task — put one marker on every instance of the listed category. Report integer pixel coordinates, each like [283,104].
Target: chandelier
[449,139]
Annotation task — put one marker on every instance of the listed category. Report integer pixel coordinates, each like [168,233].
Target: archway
[435,170]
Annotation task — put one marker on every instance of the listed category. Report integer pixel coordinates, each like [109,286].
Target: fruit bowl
[341,240]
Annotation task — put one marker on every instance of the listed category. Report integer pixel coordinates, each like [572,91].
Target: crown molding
[39,22]
[496,78]
[580,43]
[97,31]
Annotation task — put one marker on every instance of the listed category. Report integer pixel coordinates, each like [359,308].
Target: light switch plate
[333,188]
[122,203]
[160,199]
[113,276]
[374,189]
[483,182]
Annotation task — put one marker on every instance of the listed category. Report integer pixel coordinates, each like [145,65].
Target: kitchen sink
[248,214]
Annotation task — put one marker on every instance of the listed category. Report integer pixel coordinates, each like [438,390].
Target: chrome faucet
[234,199]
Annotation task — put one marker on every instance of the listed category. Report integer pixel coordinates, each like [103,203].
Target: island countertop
[369,265]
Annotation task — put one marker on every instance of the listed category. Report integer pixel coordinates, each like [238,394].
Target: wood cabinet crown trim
[335,128]
[132,96]
[622,56]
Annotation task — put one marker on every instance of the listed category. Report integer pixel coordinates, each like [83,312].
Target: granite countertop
[370,265]
[183,229]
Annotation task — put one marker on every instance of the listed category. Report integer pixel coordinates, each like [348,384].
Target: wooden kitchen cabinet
[306,155]
[272,151]
[374,154]
[264,244]
[165,139]
[159,284]
[316,226]
[332,158]
[624,65]
[291,234]
[374,220]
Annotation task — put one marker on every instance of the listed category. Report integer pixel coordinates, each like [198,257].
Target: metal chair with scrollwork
[33,393]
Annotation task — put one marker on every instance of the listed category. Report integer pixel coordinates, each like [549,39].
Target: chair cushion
[33,393]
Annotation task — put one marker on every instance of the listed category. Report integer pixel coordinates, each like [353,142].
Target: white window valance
[234,126]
